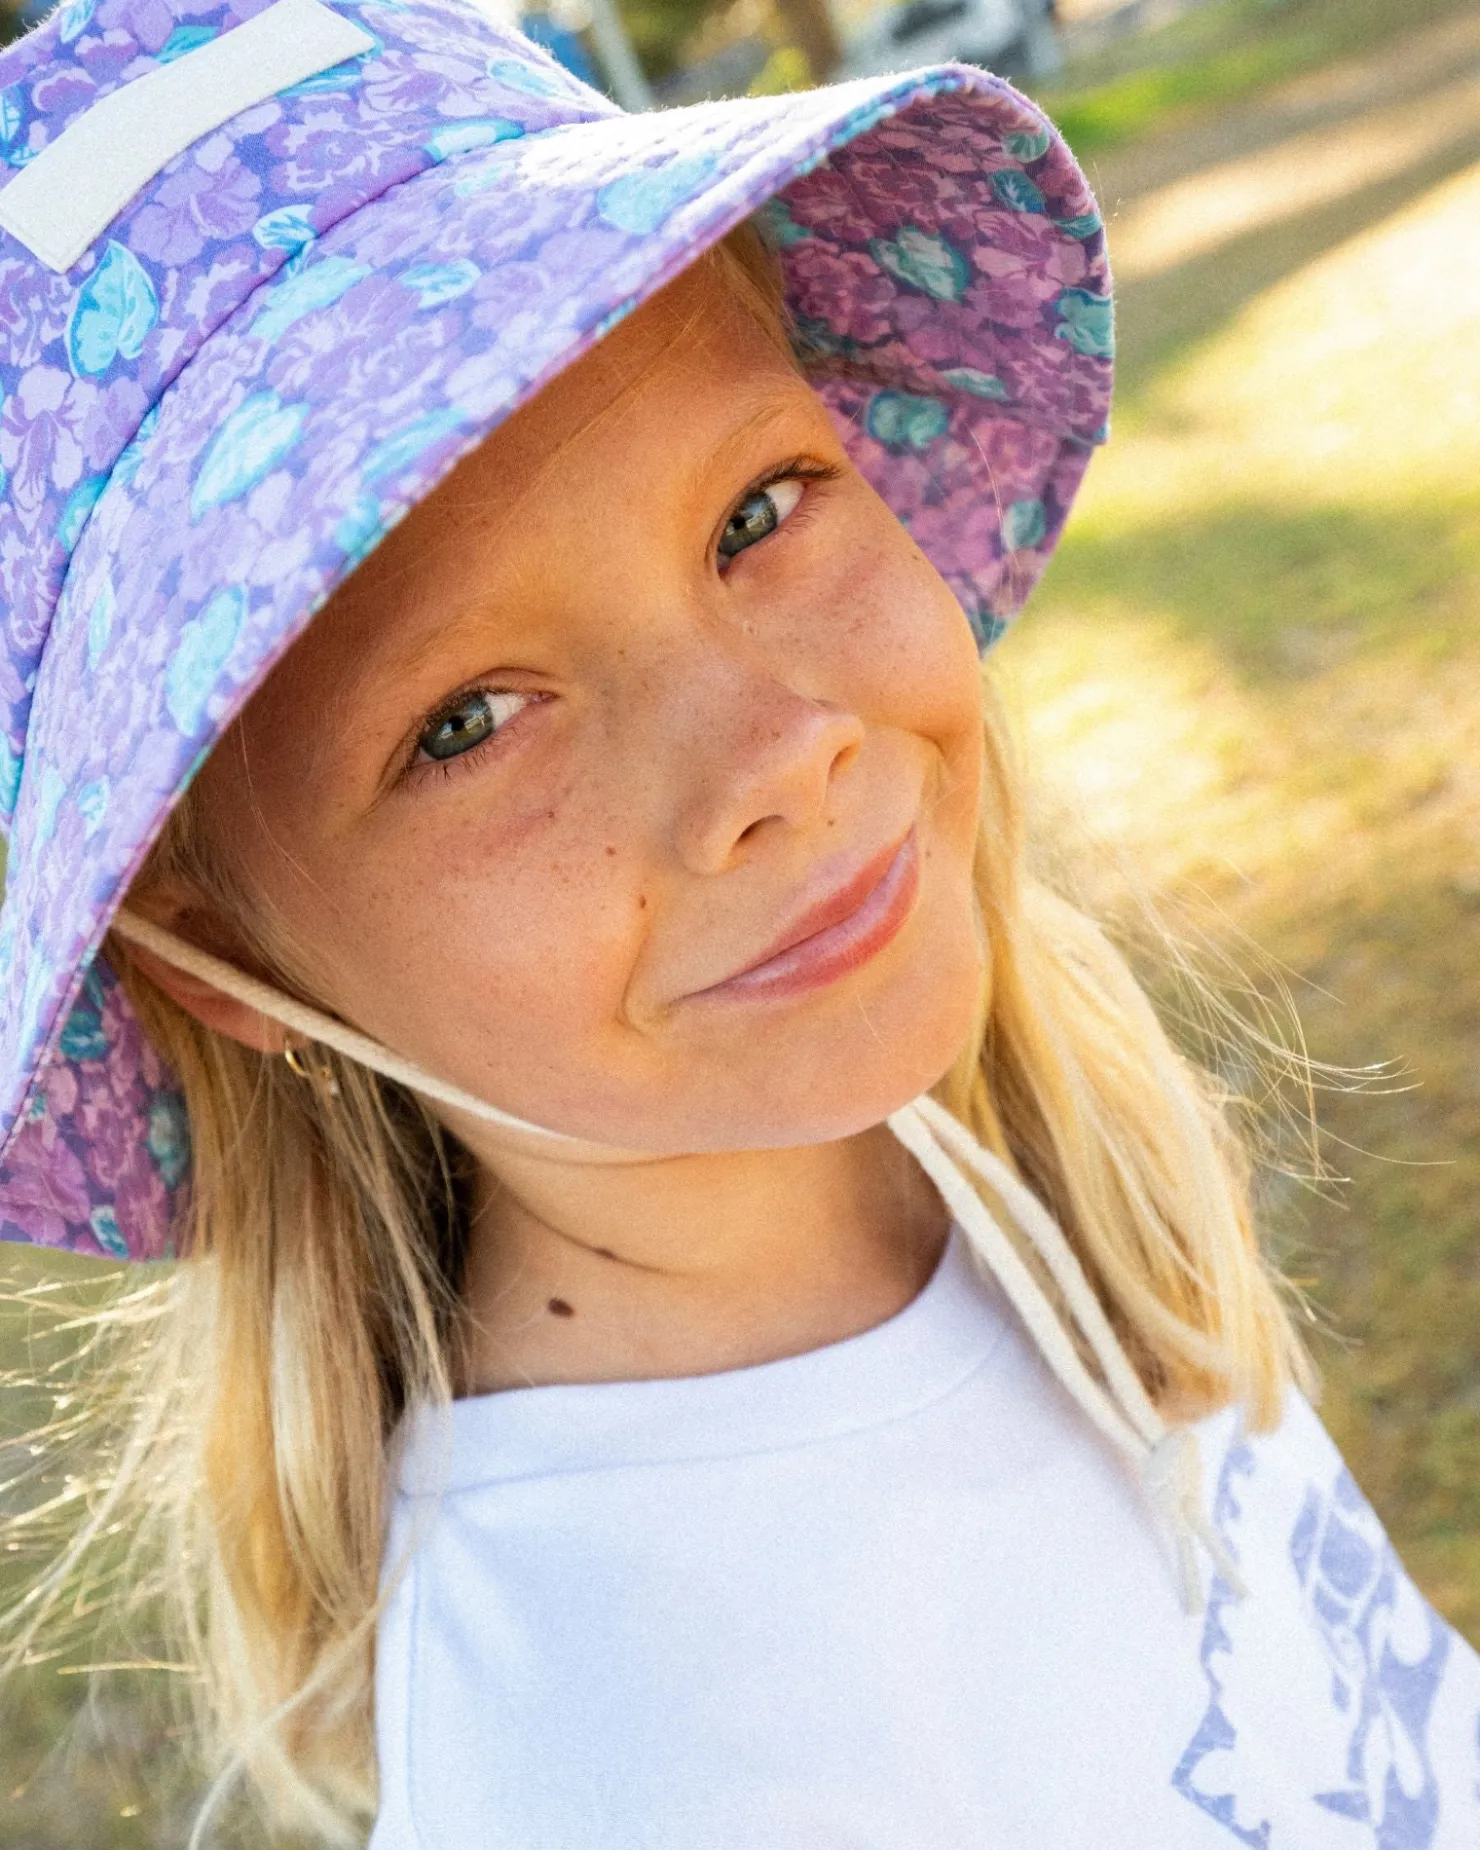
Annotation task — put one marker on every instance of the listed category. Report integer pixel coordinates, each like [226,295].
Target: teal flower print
[337,77]
[316,286]
[107,1233]
[980,385]
[778,229]
[1017,191]
[924,261]
[901,420]
[360,530]
[463,137]
[403,446]
[11,115]
[287,229]
[48,803]
[114,311]
[1023,524]
[986,627]
[132,454]
[258,434]
[1028,146]
[183,39]
[1082,227]
[92,805]
[100,624]
[169,1138]
[1087,322]
[11,765]
[815,339]
[205,642]
[613,318]
[480,177]
[436,283]
[83,1037]
[523,77]
[638,203]
[80,503]
[33,995]
[74,18]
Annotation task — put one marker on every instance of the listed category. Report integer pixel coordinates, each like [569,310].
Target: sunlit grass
[1355,382]
[1293,506]
[1255,671]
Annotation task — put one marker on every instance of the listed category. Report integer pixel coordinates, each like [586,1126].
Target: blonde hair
[266,1374]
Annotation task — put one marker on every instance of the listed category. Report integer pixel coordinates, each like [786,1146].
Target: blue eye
[468,724]
[758,516]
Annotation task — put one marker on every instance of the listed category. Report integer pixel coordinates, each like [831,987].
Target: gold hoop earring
[317,1069]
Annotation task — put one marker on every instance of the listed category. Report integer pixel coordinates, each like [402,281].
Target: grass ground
[1252,677]
[1253,671]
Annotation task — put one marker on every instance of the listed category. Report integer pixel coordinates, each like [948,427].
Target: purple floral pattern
[301,323]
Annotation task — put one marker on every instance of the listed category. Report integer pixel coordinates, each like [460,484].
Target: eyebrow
[737,440]
[392,662]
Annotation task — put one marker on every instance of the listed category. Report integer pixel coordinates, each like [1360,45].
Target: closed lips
[838,934]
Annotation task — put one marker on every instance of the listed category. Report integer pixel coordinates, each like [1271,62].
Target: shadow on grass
[1286,594]
[1160,317]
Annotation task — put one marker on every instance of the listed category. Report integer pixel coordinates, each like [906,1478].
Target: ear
[168,905]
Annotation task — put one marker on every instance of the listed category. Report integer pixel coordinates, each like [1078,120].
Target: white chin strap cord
[1166,1458]
[312,1025]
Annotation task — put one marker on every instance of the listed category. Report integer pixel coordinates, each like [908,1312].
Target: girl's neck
[691,1265]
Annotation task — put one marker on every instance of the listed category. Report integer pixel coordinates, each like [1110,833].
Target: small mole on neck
[559,1308]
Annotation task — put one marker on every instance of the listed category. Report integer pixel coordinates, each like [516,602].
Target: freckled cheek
[528,914]
[899,646]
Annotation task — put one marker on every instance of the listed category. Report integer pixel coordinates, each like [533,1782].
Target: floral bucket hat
[267,271]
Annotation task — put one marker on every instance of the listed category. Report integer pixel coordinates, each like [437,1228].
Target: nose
[761,758]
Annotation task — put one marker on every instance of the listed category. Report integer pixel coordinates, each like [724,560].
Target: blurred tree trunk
[809,25]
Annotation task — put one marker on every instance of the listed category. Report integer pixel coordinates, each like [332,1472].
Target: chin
[874,1056]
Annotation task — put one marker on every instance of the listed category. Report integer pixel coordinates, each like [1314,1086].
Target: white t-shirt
[895,1594]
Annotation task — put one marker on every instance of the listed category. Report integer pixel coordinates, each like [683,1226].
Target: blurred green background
[1251,681]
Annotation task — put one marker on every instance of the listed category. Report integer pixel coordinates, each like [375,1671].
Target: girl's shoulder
[1333,1648]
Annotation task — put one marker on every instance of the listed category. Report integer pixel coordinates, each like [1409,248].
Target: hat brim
[946,271]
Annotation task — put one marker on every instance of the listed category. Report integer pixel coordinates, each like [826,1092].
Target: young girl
[709,1315]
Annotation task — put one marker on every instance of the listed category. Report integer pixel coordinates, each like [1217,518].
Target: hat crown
[86,354]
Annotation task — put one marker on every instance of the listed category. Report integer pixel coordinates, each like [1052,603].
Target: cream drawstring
[312,1024]
[1166,1458]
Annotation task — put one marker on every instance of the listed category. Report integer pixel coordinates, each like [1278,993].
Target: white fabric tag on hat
[74,188]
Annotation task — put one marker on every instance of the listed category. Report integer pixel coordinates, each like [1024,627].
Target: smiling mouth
[837,936]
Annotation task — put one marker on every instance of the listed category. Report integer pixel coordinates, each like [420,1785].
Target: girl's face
[632,783]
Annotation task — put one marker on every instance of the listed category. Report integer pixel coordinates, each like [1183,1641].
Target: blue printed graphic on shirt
[1216,1733]
[1353,1585]
[1360,1681]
